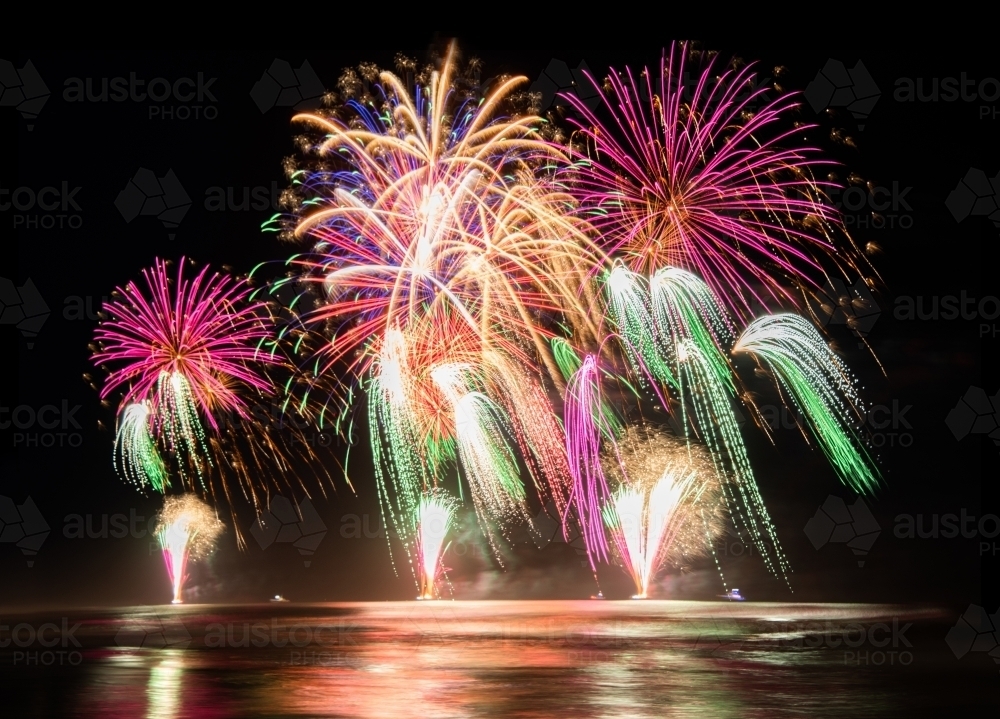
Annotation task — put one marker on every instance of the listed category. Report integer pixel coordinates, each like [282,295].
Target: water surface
[492,659]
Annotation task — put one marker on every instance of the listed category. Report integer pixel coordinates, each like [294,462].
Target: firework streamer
[583,412]
[490,466]
[629,307]
[136,456]
[819,386]
[187,530]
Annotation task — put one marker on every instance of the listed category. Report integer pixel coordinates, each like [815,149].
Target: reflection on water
[497,659]
[163,693]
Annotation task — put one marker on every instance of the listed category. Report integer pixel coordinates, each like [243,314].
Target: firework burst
[190,357]
[438,197]
[691,169]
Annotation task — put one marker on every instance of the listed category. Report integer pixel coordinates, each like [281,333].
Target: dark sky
[918,151]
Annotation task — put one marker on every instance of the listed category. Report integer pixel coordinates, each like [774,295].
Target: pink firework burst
[203,328]
[694,170]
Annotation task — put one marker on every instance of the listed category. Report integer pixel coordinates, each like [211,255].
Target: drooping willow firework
[678,333]
[819,386]
[693,167]
[431,402]
[187,530]
[188,356]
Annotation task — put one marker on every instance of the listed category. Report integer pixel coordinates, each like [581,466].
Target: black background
[929,364]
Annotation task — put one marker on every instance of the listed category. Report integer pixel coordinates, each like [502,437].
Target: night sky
[913,153]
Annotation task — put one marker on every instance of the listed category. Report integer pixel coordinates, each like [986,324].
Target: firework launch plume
[668,505]
[435,515]
[187,530]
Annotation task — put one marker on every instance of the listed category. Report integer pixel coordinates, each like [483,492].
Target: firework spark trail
[583,405]
[628,303]
[394,439]
[819,386]
[686,309]
[536,429]
[187,530]
[177,416]
[435,515]
[136,457]
[719,430]
[697,177]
